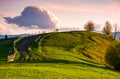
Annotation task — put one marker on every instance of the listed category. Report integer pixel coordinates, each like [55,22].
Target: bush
[112,57]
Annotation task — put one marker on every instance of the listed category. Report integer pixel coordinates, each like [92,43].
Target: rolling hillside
[59,55]
[53,46]
[72,45]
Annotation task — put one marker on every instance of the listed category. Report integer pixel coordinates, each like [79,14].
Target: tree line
[107,29]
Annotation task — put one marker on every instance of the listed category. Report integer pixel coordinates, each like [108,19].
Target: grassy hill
[65,55]
[72,45]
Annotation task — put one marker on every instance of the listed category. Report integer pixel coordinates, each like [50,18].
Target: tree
[6,37]
[112,56]
[107,28]
[89,26]
[56,30]
[116,29]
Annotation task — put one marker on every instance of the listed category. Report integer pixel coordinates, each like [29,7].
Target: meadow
[53,70]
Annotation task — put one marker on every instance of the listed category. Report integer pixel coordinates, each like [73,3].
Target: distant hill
[13,36]
[25,35]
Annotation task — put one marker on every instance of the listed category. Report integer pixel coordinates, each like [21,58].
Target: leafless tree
[89,26]
[107,28]
[6,37]
[116,29]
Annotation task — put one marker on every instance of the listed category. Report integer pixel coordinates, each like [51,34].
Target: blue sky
[70,13]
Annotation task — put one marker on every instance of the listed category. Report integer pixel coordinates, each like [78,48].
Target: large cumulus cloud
[34,16]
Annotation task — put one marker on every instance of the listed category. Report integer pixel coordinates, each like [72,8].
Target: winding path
[23,47]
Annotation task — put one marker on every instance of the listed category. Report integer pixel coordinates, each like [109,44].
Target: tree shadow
[81,59]
[59,61]
[83,64]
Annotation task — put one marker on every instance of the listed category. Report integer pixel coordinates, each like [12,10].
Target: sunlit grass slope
[71,46]
[55,71]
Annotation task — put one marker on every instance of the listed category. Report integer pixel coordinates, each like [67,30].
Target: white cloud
[40,22]
[35,16]
[15,29]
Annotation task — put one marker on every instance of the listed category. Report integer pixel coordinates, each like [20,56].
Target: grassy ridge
[77,43]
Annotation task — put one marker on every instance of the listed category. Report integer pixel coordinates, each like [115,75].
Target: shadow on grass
[83,64]
[72,62]
[59,61]
[82,59]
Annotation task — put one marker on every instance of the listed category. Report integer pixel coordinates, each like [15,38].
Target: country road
[23,47]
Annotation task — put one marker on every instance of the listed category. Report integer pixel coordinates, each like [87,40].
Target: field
[61,56]
[50,70]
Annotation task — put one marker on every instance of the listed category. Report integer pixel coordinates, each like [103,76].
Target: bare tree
[6,37]
[89,26]
[107,28]
[116,29]
[56,30]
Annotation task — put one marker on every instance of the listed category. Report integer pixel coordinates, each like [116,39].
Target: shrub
[112,56]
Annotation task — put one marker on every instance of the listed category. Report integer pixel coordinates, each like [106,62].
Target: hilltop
[71,46]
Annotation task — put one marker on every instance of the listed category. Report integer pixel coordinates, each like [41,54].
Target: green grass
[51,70]
[79,43]
[66,55]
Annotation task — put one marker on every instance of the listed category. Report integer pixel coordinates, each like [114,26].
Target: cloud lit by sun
[31,18]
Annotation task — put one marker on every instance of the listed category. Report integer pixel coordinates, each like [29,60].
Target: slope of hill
[65,55]
[72,45]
